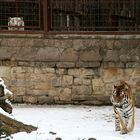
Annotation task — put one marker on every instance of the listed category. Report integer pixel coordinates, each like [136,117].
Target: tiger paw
[123,132]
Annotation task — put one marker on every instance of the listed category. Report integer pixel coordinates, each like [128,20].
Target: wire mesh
[20,15]
[70,15]
[94,15]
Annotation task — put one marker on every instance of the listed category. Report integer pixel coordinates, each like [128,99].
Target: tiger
[16,23]
[122,99]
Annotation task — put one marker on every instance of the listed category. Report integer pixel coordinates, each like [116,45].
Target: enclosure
[69,51]
[93,16]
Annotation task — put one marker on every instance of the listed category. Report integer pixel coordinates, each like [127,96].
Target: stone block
[44,70]
[109,89]
[136,73]
[129,58]
[111,56]
[24,54]
[35,92]
[65,65]
[21,69]
[81,72]
[69,55]
[63,43]
[45,100]
[43,85]
[90,55]
[81,97]
[47,54]
[65,94]
[112,74]
[137,99]
[25,63]
[98,86]
[45,64]
[123,58]
[78,44]
[17,99]
[67,80]
[81,92]
[30,99]
[38,43]
[20,91]
[6,53]
[5,71]
[88,64]
[61,71]
[81,81]
[132,65]
[56,82]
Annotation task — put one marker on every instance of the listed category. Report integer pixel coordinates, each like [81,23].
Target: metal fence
[20,15]
[70,16]
[95,15]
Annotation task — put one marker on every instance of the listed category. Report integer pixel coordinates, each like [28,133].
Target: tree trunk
[14,126]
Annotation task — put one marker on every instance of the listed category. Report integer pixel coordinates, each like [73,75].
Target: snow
[71,123]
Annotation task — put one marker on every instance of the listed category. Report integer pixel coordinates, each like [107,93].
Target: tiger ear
[122,86]
[115,86]
[9,18]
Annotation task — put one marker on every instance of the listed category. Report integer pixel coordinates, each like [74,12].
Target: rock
[91,139]
[58,138]
[53,133]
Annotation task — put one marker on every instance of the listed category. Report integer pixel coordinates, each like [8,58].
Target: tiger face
[118,95]
[15,23]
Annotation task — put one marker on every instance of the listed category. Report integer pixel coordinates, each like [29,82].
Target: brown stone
[65,65]
[111,55]
[112,74]
[84,73]
[47,54]
[65,94]
[81,81]
[43,85]
[69,55]
[6,53]
[30,99]
[25,54]
[98,86]
[17,99]
[45,100]
[91,55]
[81,92]
[67,80]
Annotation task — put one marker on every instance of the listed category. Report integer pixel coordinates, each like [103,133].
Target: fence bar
[45,16]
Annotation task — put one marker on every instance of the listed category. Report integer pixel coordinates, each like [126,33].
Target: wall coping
[70,36]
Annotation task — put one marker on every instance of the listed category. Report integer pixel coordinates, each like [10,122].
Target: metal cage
[94,15]
[21,15]
[70,16]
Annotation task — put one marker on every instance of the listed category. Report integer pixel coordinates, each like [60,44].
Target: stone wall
[66,69]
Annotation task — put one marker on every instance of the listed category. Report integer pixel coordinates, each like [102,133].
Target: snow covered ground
[71,123]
